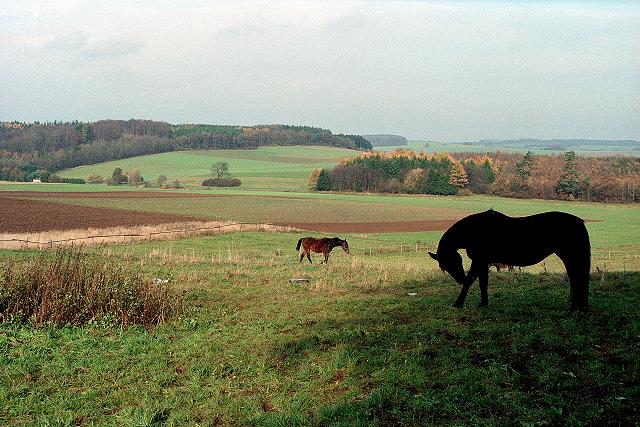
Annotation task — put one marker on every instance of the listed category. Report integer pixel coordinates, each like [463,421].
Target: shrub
[393,185]
[95,179]
[134,178]
[74,288]
[59,179]
[221,182]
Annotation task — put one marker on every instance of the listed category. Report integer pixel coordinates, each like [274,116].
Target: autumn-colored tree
[458,176]
[313,178]
[414,180]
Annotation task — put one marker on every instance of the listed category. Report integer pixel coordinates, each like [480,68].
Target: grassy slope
[351,347]
[264,168]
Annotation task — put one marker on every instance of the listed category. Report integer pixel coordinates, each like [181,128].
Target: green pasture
[369,340]
[283,168]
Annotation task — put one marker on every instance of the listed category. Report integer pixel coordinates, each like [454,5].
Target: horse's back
[525,240]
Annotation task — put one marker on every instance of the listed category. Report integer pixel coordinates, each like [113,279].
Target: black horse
[492,237]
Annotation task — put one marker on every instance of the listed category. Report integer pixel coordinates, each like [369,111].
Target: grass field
[369,340]
[284,168]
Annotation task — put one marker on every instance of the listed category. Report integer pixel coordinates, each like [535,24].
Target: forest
[564,177]
[384,140]
[36,150]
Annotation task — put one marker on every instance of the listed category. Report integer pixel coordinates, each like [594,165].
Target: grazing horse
[499,266]
[491,237]
[324,246]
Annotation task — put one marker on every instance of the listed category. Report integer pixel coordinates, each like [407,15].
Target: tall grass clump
[75,288]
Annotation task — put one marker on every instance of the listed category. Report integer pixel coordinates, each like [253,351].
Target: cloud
[112,49]
[70,42]
[78,44]
[247,30]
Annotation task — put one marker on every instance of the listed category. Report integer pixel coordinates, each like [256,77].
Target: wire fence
[370,250]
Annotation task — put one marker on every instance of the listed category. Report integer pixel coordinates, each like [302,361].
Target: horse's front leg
[471,277]
[326,257]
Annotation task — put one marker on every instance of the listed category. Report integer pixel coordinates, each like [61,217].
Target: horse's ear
[434,256]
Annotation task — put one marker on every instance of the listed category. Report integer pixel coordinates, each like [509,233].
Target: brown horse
[323,246]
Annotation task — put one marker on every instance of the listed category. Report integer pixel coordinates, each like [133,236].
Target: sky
[446,70]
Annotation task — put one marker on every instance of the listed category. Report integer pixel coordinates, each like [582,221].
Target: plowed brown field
[19,213]
[25,216]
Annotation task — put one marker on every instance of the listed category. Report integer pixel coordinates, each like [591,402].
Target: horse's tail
[298,246]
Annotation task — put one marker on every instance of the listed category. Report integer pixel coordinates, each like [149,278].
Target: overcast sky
[448,70]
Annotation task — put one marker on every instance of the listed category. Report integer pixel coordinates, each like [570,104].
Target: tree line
[566,176]
[32,150]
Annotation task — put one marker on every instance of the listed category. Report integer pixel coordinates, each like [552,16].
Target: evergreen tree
[324,181]
[87,134]
[569,181]
[488,170]
[524,168]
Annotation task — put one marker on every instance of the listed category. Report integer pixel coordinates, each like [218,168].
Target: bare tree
[220,169]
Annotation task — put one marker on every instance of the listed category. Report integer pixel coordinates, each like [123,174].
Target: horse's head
[345,246]
[451,262]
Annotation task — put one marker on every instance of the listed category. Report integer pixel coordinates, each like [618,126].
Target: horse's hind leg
[483,281]
[308,257]
[578,272]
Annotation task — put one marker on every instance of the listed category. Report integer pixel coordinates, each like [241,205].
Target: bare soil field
[25,216]
[22,214]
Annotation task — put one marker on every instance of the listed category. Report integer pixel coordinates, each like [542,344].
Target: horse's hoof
[483,305]
[457,305]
